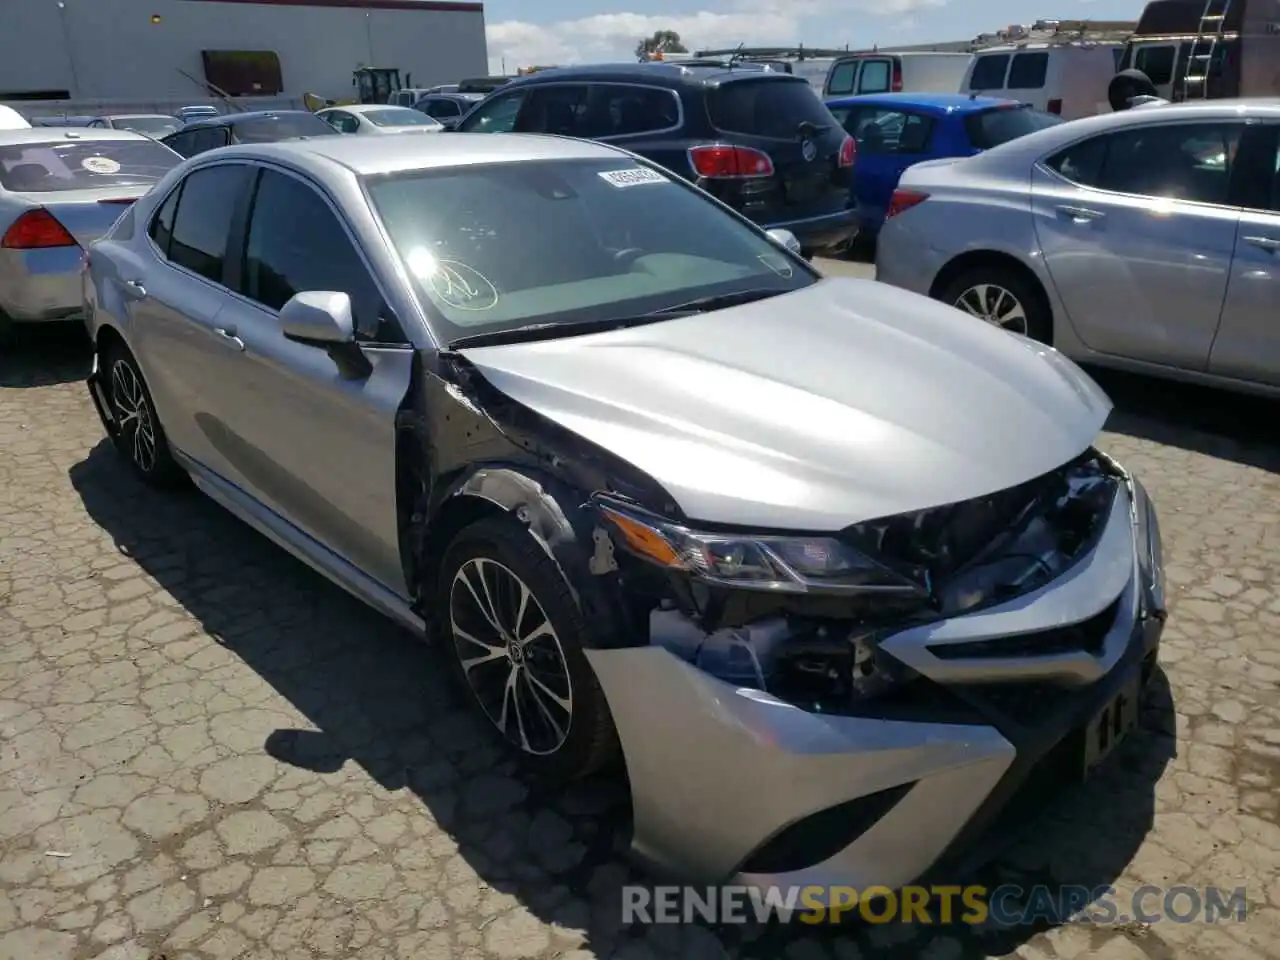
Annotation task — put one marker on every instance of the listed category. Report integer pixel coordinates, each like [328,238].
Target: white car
[11,119]
[378,118]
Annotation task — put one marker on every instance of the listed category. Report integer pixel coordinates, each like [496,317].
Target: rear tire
[514,634]
[1004,298]
[137,434]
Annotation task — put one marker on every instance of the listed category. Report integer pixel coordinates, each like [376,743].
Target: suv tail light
[896,85]
[904,200]
[848,152]
[717,162]
[36,230]
[1055,106]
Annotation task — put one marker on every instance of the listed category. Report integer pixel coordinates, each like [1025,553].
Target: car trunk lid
[87,214]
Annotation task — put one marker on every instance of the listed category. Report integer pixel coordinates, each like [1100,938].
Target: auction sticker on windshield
[100,165]
[633,177]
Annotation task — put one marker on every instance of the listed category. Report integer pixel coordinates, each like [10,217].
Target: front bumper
[735,785]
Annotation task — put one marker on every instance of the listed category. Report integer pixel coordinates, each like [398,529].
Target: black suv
[760,141]
[259,126]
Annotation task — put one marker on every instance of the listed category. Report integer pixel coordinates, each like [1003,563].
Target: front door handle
[135,288]
[1270,244]
[1080,214]
[229,335]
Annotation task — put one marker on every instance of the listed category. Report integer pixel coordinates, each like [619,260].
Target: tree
[662,41]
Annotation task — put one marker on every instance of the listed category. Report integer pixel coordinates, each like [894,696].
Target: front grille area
[1088,636]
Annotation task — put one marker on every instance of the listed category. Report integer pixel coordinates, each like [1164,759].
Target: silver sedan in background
[61,189]
[154,125]
[374,118]
[830,572]
[1146,239]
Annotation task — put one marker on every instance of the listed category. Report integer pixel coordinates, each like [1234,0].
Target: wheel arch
[975,259]
[108,336]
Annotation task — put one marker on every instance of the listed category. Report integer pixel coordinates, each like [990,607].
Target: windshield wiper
[573,328]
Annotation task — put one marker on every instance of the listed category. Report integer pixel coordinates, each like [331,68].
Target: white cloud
[613,36]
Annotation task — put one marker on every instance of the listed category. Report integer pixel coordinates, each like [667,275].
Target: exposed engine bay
[821,650]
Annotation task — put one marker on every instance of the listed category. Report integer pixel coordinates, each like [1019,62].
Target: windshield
[151,126]
[399,117]
[282,126]
[83,165]
[990,128]
[498,246]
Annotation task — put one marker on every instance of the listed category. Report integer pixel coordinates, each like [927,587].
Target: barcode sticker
[632,177]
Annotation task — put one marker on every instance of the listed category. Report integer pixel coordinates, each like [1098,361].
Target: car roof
[138,116]
[656,73]
[370,156]
[229,119]
[71,134]
[938,103]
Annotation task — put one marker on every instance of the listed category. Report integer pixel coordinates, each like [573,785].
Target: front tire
[1002,298]
[137,433]
[514,637]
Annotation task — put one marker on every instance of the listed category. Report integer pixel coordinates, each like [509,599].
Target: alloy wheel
[133,415]
[511,656]
[996,305]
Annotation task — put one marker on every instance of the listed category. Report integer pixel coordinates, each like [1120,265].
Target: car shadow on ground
[379,697]
[43,354]
[1217,423]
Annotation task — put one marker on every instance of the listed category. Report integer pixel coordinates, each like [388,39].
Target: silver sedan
[61,189]
[371,118]
[830,572]
[1147,239]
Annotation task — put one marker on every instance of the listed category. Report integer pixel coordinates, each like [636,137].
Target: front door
[1137,231]
[1248,342]
[314,446]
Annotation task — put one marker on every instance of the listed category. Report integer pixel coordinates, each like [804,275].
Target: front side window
[441,109]
[209,138]
[989,72]
[497,116]
[203,220]
[182,143]
[498,246]
[297,244]
[83,165]
[1028,71]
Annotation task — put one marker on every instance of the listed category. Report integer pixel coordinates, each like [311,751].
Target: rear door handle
[1080,213]
[229,335]
[1270,244]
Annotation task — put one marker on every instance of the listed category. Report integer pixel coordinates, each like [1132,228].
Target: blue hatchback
[892,131]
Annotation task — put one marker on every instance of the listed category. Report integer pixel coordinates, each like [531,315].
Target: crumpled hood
[842,402]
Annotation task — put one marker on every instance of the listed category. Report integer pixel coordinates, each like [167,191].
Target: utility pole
[66,41]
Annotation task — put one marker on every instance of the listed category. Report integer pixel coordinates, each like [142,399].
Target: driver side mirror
[785,239]
[322,318]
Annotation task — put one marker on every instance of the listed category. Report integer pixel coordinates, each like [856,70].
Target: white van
[1067,79]
[11,119]
[910,71]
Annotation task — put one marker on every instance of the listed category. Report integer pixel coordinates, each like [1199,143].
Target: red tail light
[1055,106]
[719,162]
[897,76]
[36,230]
[904,200]
[848,152]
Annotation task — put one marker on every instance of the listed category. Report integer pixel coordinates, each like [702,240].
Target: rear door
[1027,81]
[1247,346]
[782,117]
[875,75]
[987,74]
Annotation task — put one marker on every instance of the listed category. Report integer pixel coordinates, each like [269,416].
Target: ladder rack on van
[1213,23]
[1059,32]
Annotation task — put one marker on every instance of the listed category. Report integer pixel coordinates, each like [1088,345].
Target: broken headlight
[799,564]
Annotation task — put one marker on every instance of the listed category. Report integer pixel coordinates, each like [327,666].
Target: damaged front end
[804,617]
[860,707]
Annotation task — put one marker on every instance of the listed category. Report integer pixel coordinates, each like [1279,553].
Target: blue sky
[568,31]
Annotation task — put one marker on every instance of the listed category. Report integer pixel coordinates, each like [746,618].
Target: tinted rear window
[989,71]
[398,117]
[994,127]
[766,108]
[282,127]
[1028,71]
[86,165]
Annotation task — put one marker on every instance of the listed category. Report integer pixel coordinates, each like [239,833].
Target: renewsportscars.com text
[1009,905]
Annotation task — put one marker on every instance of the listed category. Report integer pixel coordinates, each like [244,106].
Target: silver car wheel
[511,656]
[133,415]
[996,305]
